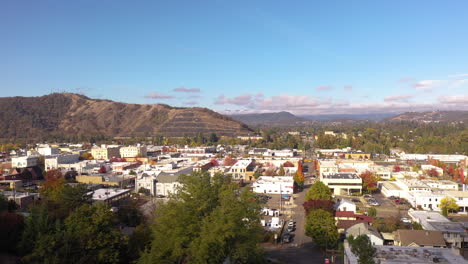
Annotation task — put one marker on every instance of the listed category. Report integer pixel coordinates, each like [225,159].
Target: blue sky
[306,57]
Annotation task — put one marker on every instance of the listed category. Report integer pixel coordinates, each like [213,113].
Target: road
[302,250]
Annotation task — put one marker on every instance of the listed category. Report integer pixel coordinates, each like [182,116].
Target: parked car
[367,196]
[290,228]
[373,203]
[291,223]
[406,220]
[287,238]
[355,200]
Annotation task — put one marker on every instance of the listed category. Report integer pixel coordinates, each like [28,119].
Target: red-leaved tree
[288,164]
[326,205]
[396,168]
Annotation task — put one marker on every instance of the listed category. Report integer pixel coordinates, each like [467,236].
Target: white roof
[104,194]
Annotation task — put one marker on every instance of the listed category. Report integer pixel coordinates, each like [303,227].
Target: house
[345,205]
[346,219]
[364,229]
[106,179]
[419,238]
[343,183]
[47,150]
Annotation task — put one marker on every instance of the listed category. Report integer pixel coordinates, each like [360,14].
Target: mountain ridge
[74,114]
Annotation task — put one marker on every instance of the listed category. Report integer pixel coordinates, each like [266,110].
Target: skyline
[304,58]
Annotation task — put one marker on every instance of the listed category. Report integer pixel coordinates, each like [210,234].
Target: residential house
[419,238]
[365,229]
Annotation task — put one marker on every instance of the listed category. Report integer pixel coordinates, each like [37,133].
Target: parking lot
[385,207]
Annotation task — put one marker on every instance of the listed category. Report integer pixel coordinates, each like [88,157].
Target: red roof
[344,214]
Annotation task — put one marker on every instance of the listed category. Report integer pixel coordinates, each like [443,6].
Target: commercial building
[133,151]
[242,170]
[110,196]
[342,183]
[274,185]
[52,162]
[24,161]
[105,153]
[408,255]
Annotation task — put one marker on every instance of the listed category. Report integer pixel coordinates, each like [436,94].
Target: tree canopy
[320,226]
[448,204]
[319,191]
[209,220]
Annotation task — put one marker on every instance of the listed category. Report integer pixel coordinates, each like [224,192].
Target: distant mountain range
[280,119]
[286,119]
[431,117]
[65,114]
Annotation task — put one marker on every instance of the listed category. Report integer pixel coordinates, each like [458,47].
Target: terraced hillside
[71,114]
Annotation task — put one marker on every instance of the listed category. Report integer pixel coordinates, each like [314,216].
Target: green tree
[372,211]
[281,171]
[319,191]
[448,204]
[88,235]
[361,247]
[209,220]
[320,226]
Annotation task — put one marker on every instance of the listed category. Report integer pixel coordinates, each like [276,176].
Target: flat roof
[342,176]
[463,194]
[417,255]
[391,186]
[104,194]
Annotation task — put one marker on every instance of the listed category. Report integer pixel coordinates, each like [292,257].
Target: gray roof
[168,177]
[362,229]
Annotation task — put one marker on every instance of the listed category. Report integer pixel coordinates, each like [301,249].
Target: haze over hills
[431,117]
[66,114]
[281,119]
[286,119]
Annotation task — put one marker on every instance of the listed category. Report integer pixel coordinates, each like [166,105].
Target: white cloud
[458,75]
[398,98]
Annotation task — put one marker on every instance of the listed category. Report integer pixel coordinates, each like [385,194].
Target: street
[301,250]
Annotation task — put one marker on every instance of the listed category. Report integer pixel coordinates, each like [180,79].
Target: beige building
[132,151]
[105,153]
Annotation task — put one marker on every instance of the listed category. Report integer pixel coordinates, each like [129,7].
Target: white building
[274,185]
[342,183]
[24,161]
[109,196]
[52,162]
[47,151]
[345,205]
[133,151]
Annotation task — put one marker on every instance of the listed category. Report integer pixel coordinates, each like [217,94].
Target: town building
[419,238]
[47,151]
[24,161]
[407,255]
[52,162]
[110,196]
[242,170]
[274,185]
[364,229]
[454,233]
[133,151]
[342,183]
[105,153]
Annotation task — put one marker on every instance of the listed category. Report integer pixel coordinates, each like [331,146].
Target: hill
[280,119]
[65,114]
[431,117]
